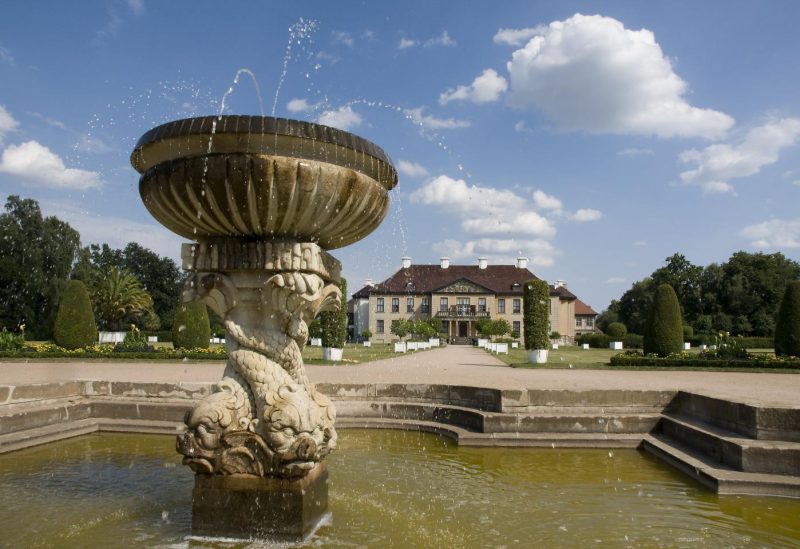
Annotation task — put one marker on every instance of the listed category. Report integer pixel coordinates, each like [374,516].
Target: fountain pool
[389,489]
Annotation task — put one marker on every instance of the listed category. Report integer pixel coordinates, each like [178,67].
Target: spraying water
[298,32]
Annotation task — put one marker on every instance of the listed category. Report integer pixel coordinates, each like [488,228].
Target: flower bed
[106,351]
[693,360]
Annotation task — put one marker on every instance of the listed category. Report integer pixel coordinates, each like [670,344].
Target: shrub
[535,315]
[664,329]
[135,342]
[10,341]
[315,329]
[334,323]
[75,326]
[366,334]
[688,333]
[696,361]
[787,323]
[601,341]
[555,335]
[191,329]
[617,330]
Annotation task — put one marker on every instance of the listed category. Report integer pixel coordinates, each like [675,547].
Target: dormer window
[515,286]
[410,286]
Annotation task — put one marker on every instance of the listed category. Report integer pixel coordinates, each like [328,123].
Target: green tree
[617,330]
[535,314]
[611,314]
[118,296]
[75,326]
[500,327]
[664,331]
[685,278]
[635,304]
[400,327]
[334,323]
[191,329]
[787,324]
[36,255]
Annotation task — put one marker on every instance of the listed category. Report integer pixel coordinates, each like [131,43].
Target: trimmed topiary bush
[535,314]
[787,323]
[334,323]
[75,326]
[191,328]
[664,330]
[617,330]
[688,332]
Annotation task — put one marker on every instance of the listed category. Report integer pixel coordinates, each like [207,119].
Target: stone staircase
[730,447]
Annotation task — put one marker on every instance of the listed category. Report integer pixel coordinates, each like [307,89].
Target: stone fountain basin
[261,177]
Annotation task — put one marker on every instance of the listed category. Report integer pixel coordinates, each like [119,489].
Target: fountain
[263,199]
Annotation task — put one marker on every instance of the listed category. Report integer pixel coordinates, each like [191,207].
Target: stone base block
[248,507]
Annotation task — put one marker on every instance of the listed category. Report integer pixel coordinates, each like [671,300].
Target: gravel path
[456,365]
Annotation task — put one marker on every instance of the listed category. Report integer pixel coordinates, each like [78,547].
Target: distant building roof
[582,309]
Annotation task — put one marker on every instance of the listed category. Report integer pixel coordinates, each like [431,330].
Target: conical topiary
[536,314]
[787,323]
[664,330]
[191,328]
[75,326]
[334,323]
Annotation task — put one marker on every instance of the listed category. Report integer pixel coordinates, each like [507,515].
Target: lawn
[353,354]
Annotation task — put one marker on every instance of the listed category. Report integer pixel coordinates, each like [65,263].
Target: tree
[191,329]
[501,327]
[118,296]
[611,314]
[617,330]
[664,331]
[75,326]
[787,324]
[535,314]
[334,323]
[685,278]
[36,255]
[635,304]
[315,329]
[400,327]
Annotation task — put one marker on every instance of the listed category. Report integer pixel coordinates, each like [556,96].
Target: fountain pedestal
[274,508]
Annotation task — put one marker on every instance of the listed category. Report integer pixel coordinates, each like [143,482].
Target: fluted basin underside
[262,196]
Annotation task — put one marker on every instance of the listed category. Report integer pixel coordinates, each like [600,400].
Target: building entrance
[463,329]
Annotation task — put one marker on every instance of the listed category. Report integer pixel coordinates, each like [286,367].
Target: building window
[501,306]
[445,327]
[379,326]
[379,308]
[515,326]
[395,304]
[590,323]
[426,305]
[442,303]
[462,305]
[578,322]
[482,304]
[516,306]
[409,304]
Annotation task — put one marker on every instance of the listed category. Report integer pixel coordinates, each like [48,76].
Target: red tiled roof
[582,309]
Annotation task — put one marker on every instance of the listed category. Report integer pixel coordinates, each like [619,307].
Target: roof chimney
[483,262]
[406,262]
[444,262]
[560,284]
[369,282]
[522,263]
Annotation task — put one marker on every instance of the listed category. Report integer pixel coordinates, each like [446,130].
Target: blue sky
[596,138]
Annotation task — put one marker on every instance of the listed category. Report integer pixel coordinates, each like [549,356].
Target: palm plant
[117,295]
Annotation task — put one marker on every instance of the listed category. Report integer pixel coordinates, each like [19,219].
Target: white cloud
[136,6]
[773,234]
[633,151]
[590,73]
[411,169]
[640,243]
[586,214]
[35,163]
[343,118]
[540,252]
[7,123]
[615,280]
[487,87]
[406,43]
[431,122]
[545,201]
[520,127]
[443,39]
[515,37]
[92,144]
[300,105]
[343,38]
[717,164]
[6,57]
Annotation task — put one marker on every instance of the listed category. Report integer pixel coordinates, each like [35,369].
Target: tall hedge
[664,330]
[536,314]
[787,323]
[191,328]
[334,323]
[75,326]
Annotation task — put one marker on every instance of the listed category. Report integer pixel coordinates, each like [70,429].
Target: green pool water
[390,489]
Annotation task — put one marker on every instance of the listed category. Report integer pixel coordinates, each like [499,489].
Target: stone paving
[450,365]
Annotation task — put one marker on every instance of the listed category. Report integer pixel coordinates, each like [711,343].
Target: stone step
[19,440]
[731,449]
[138,409]
[717,477]
[25,415]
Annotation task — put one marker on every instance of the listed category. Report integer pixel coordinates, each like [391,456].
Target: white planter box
[712,348]
[482,342]
[687,346]
[537,356]
[585,346]
[111,337]
[515,345]
[214,340]
[493,347]
[367,344]
[615,345]
[425,345]
[703,347]
[412,346]
[400,347]
[502,348]
[152,339]
[316,342]
[434,342]
[555,346]
[332,353]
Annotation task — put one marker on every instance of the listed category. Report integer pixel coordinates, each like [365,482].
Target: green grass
[353,354]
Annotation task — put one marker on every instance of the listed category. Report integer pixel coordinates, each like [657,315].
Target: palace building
[458,296]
